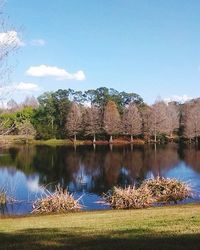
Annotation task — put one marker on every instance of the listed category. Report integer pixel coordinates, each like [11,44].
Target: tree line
[101,114]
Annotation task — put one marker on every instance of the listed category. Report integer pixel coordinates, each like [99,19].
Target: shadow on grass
[48,239]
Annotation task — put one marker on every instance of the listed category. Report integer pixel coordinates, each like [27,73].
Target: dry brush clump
[165,190]
[58,202]
[2,197]
[5,198]
[152,191]
[130,197]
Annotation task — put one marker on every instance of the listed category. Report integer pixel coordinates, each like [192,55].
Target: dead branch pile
[152,191]
[5,198]
[2,197]
[165,190]
[130,197]
[59,201]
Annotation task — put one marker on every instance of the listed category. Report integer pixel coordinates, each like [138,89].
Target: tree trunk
[111,139]
[74,138]
[94,138]
[171,137]
[155,137]
[131,138]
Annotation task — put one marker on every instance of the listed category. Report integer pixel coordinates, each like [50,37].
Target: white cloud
[10,38]
[22,87]
[177,98]
[25,86]
[52,71]
[38,42]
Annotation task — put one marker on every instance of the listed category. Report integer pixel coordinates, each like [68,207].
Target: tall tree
[30,101]
[74,120]
[62,106]
[112,121]
[173,116]
[9,43]
[146,122]
[25,128]
[132,121]
[158,119]
[12,105]
[192,120]
[92,121]
[44,118]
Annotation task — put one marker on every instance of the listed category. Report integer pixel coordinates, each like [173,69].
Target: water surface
[89,171]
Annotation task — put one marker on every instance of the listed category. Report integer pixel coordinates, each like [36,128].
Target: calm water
[88,172]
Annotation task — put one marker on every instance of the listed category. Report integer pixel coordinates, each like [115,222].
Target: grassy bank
[8,140]
[176,227]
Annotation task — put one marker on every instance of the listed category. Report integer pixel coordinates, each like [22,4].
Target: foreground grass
[176,227]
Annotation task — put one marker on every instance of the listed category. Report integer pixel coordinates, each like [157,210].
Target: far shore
[16,139]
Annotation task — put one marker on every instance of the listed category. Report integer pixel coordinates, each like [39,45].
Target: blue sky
[150,47]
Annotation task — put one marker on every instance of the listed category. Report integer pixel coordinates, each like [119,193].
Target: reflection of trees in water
[133,161]
[161,159]
[192,157]
[98,169]
[20,157]
[112,166]
[24,159]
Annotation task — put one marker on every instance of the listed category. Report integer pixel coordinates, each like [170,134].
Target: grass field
[174,227]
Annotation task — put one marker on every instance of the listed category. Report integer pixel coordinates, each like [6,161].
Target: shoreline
[20,140]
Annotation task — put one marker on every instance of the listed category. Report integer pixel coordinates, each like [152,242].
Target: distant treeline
[101,114]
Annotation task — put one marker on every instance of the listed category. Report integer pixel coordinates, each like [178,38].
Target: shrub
[59,201]
[165,190]
[129,197]
[2,197]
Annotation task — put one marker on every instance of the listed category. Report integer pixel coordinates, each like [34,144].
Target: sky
[149,47]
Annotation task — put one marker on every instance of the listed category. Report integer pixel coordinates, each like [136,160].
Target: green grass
[173,227]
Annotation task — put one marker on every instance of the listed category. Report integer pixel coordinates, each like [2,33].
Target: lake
[88,171]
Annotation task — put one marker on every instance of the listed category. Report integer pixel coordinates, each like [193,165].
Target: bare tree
[26,128]
[92,121]
[112,121]
[12,105]
[132,121]
[192,120]
[74,120]
[158,119]
[30,101]
[173,116]
[146,122]
[9,42]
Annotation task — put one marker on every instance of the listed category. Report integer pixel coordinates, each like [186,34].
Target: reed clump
[58,202]
[130,197]
[150,192]
[165,190]
[3,198]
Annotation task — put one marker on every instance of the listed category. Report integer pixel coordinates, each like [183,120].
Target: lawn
[172,227]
